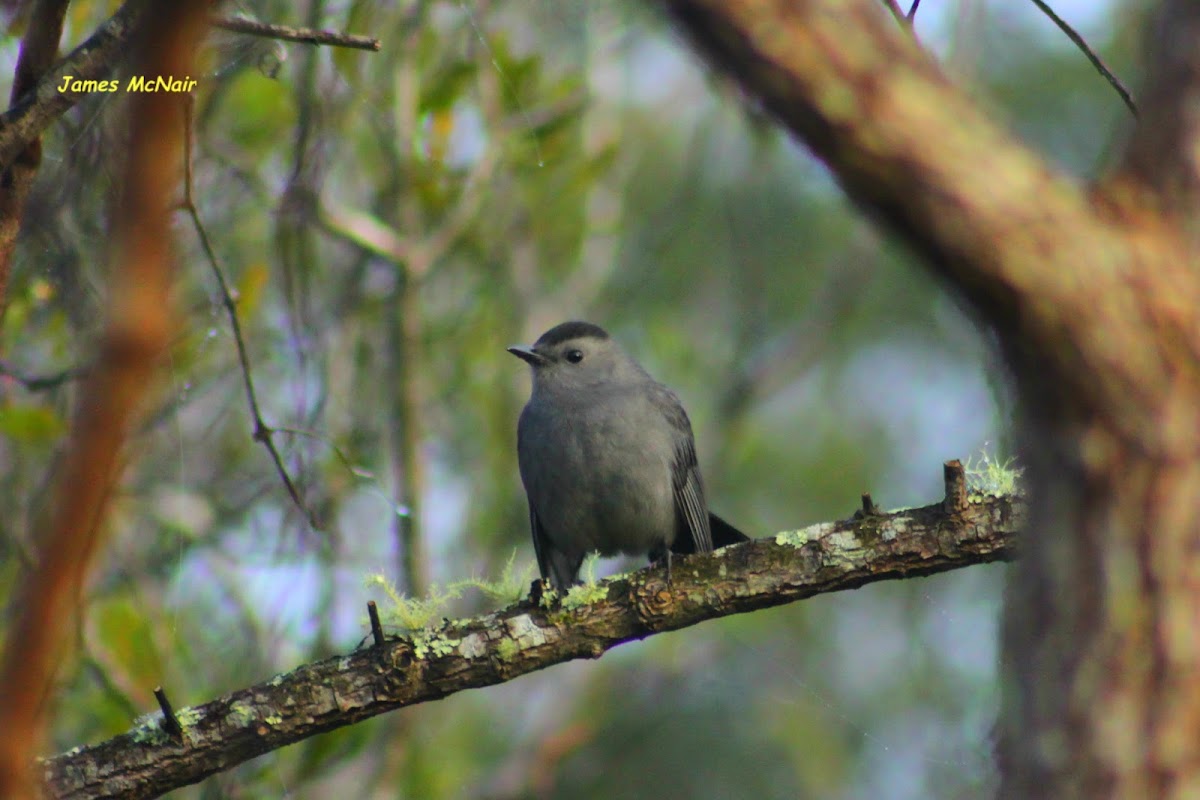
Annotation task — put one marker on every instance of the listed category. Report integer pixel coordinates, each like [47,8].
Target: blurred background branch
[109,401]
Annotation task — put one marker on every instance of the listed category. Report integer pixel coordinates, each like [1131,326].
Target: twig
[347,462]
[262,432]
[398,508]
[912,10]
[376,627]
[954,477]
[1091,56]
[40,383]
[170,721]
[289,34]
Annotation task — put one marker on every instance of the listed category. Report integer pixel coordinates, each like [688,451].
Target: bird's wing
[689,501]
[541,547]
[541,544]
[685,471]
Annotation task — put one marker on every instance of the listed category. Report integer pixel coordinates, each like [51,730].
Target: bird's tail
[723,533]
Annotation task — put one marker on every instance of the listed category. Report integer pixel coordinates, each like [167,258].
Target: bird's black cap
[570,330]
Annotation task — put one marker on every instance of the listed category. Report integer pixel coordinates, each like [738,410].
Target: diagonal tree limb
[98,58]
[41,383]
[95,59]
[39,49]
[987,213]
[482,651]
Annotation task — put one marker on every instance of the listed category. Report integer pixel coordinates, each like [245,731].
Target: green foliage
[584,594]
[149,731]
[509,587]
[442,90]
[412,614]
[416,615]
[990,475]
[35,424]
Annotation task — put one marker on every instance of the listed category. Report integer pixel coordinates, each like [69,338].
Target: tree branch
[880,113]
[1089,54]
[263,433]
[39,48]
[988,214]
[289,34]
[41,383]
[483,651]
[96,58]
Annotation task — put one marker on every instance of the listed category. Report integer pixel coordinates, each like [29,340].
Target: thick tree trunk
[1101,631]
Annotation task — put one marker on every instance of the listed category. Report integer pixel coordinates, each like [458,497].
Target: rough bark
[465,654]
[1093,291]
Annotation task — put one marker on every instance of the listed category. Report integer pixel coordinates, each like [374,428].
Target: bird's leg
[661,557]
[538,590]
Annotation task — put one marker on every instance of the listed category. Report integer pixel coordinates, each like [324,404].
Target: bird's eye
[574,356]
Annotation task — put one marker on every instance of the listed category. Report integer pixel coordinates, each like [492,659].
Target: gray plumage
[607,458]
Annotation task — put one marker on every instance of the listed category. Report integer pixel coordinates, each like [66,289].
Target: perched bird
[608,458]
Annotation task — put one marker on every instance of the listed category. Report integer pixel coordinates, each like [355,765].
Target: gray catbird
[607,458]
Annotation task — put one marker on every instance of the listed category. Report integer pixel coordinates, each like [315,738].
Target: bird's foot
[662,558]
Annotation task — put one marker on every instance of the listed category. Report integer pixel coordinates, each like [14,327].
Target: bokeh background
[390,222]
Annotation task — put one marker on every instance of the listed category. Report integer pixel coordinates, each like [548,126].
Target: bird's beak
[528,355]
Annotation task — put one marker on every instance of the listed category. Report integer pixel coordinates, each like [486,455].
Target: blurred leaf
[520,76]
[254,280]
[124,633]
[33,424]
[258,111]
[441,91]
[359,19]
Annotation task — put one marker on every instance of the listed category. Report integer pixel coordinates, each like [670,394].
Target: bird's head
[577,356]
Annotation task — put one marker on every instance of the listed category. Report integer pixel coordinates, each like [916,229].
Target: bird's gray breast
[597,470]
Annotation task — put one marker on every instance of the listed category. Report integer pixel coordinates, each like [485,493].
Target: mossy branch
[437,661]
